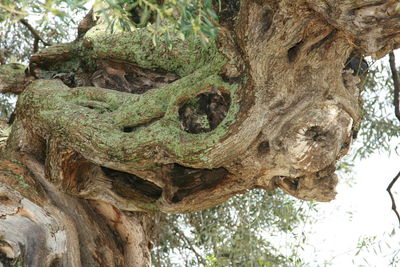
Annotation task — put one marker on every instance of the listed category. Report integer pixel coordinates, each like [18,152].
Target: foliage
[384,246]
[379,125]
[244,231]
[163,16]
[14,10]
[54,20]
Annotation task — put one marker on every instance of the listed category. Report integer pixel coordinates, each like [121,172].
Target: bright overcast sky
[362,210]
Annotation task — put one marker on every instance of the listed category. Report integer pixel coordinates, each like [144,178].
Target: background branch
[396,84]
[187,241]
[34,32]
[394,208]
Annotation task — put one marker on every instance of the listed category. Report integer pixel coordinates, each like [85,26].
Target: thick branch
[396,85]
[371,25]
[396,102]
[214,131]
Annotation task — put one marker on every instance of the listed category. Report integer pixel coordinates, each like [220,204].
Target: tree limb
[396,84]
[35,45]
[394,208]
[34,32]
[359,19]
[396,102]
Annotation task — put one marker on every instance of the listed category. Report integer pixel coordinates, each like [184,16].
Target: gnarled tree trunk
[269,104]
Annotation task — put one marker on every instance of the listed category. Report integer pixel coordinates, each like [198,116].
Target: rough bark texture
[269,104]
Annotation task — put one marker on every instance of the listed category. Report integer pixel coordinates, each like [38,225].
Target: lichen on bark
[289,115]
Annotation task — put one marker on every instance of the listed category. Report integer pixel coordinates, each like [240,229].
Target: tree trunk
[269,104]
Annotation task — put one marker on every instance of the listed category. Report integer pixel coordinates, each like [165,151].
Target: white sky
[362,210]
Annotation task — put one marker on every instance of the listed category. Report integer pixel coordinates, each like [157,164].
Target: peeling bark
[271,104]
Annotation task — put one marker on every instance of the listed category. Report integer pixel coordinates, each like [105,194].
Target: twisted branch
[396,102]
[34,32]
[394,208]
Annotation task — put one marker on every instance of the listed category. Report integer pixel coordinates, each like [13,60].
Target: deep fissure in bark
[129,185]
[204,112]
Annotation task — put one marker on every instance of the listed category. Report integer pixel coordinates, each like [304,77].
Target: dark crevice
[4,198]
[131,186]
[354,10]
[288,182]
[266,22]
[354,133]
[190,180]
[316,133]
[263,148]
[345,145]
[6,262]
[56,263]
[291,183]
[232,80]
[227,11]
[3,257]
[293,51]
[326,172]
[142,16]
[129,129]
[38,148]
[204,112]
[323,40]
[126,77]
[101,109]
[357,64]
[67,78]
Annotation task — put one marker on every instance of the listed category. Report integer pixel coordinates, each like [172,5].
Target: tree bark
[270,104]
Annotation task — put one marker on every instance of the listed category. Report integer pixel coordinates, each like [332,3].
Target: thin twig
[187,241]
[33,31]
[396,84]
[394,208]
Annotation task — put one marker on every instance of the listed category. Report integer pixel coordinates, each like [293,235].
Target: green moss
[59,58]
[61,111]
[179,56]
[151,206]
[11,74]
[93,120]
[11,70]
